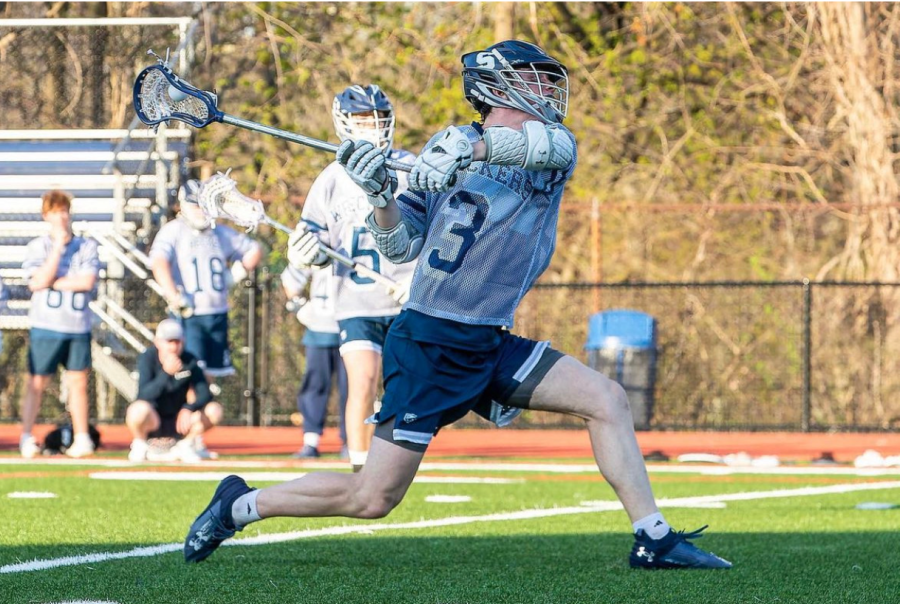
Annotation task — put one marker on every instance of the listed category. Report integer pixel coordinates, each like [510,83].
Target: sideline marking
[280,477]
[599,506]
[448,499]
[551,468]
[31,495]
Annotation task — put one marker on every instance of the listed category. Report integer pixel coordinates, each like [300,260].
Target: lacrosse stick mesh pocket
[158,105]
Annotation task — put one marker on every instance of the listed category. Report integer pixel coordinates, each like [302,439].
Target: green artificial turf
[817,549]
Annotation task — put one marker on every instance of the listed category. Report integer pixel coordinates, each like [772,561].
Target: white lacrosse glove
[295,304]
[364,164]
[435,169]
[304,249]
[180,306]
[400,291]
[236,275]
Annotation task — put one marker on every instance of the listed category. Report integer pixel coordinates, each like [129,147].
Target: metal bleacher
[122,182]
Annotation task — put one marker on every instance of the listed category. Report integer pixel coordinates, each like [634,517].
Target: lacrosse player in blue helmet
[479,220]
[334,213]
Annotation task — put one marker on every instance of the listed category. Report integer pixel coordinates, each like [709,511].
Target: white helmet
[364,113]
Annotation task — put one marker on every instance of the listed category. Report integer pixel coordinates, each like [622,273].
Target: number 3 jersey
[487,239]
[201,261]
[57,310]
[337,207]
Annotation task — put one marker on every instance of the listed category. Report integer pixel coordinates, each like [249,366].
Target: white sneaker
[81,448]
[184,451]
[201,450]
[28,447]
[138,451]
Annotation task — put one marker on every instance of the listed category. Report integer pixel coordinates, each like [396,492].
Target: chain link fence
[749,356]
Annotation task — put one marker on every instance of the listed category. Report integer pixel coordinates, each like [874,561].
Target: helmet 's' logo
[486,60]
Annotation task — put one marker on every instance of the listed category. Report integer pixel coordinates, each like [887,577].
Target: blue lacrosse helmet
[364,113]
[517,75]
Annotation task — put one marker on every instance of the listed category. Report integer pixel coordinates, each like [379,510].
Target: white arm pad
[399,244]
[537,147]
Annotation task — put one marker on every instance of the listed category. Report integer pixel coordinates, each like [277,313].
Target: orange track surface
[233,440]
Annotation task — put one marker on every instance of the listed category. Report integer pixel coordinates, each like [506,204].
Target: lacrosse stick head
[160,96]
[220,198]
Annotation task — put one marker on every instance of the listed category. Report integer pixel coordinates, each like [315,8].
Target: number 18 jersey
[487,239]
[337,207]
[201,261]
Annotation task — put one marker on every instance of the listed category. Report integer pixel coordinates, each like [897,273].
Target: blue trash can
[621,344]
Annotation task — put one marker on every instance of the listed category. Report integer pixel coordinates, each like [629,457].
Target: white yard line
[31,495]
[598,506]
[279,477]
[546,468]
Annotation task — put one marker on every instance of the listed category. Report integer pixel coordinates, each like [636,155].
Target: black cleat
[673,551]
[215,524]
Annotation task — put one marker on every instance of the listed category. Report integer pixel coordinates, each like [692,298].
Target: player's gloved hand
[295,303]
[435,169]
[304,249]
[364,164]
[180,306]
[236,275]
[400,292]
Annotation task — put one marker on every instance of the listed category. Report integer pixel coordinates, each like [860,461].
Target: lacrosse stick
[160,96]
[219,198]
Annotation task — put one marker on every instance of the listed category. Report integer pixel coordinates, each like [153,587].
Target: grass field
[535,536]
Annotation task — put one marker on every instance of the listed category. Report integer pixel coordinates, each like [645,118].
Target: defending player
[323,358]
[336,207]
[481,242]
[62,273]
[195,264]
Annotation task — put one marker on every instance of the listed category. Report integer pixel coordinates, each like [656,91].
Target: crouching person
[173,397]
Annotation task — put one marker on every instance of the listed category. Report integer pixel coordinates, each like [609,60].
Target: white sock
[25,436]
[358,458]
[654,525]
[311,439]
[244,509]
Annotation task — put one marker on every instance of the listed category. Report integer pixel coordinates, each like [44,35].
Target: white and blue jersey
[317,315]
[55,310]
[487,239]
[200,261]
[337,208]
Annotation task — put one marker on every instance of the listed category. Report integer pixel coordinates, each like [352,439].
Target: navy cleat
[215,524]
[675,550]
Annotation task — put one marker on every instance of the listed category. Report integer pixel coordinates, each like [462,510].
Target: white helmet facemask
[364,113]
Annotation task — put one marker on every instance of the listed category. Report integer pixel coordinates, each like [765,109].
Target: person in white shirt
[62,272]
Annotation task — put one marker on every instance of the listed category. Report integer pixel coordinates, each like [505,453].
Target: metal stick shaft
[299,139]
[362,269]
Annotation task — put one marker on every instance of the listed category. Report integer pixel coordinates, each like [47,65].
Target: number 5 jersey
[337,207]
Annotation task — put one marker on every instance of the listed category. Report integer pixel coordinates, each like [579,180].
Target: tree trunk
[504,21]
